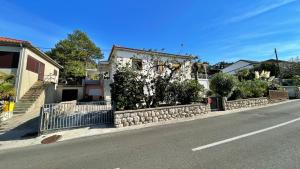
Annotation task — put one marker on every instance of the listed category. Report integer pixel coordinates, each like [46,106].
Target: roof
[249,61]
[143,51]
[22,43]
[10,40]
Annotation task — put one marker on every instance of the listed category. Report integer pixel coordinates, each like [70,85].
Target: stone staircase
[29,98]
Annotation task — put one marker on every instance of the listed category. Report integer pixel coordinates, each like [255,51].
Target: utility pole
[277,62]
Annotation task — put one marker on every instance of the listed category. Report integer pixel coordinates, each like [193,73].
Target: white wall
[234,68]
[28,78]
[204,82]
[124,57]
[106,86]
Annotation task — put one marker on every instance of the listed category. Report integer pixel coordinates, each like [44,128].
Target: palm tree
[198,67]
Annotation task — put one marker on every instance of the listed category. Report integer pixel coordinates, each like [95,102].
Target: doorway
[69,94]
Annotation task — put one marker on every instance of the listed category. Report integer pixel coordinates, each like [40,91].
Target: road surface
[263,138]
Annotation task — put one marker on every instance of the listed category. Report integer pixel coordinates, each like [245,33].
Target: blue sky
[216,31]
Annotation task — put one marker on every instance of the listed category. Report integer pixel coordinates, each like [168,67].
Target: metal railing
[72,114]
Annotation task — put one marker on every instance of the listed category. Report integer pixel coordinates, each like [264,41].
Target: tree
[75,68]
[223,84]
[77,50]
[197,68]
[292,69]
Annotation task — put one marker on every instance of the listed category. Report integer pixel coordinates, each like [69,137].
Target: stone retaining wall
[244,103]
[153,115]
[278,95]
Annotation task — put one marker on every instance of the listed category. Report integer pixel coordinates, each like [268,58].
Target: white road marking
[244,135]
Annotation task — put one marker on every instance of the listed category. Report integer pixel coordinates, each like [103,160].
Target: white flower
[256,75]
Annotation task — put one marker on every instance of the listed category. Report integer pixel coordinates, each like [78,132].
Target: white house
[239,65]
[148,62]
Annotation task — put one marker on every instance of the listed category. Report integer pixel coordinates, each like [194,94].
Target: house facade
[149,63]
[30,66]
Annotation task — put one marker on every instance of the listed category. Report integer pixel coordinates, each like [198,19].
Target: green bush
[127,90]
[183,92]
[223,84]
[190,92]
[250,89]
[259,88]
[173,92]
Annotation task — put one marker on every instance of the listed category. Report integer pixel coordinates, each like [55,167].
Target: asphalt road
[170,146]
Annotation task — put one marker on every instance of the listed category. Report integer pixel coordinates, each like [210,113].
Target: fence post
[40,128]
[224,100]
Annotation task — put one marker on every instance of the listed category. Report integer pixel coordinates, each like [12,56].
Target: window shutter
[30,64]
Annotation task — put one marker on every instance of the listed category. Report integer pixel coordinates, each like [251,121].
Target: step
[35,92]
[21,108]
[24,103]
[19,112]
[27,99]
[30,95]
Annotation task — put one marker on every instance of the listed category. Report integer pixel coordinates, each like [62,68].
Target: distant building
[249,64]
[239,65]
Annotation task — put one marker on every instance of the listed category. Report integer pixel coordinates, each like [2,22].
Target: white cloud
[260,10]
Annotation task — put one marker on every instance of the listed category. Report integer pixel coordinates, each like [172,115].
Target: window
[137,64]
[32,64]
[9,59]
[55,73]
[35,66]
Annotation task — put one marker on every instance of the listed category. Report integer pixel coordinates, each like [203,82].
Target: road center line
[244,135]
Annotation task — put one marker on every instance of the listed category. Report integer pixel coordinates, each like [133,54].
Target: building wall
[28,78]
[204,82]
[95,90]
[106,86]
[122,58]
[234,68]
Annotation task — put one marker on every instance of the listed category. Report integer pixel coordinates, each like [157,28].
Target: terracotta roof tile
[10,40]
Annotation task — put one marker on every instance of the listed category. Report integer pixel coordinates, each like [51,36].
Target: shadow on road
[26,130]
